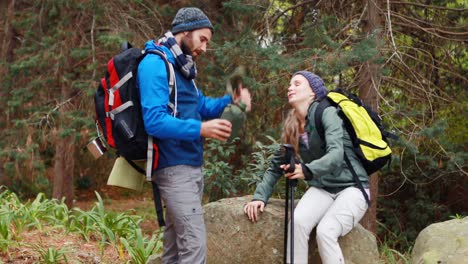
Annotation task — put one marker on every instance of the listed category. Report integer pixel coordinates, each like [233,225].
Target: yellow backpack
[370,140]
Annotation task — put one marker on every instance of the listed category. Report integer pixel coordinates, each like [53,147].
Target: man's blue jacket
[178,138]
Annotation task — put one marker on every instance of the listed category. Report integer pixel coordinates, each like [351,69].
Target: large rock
[443,243]
[232,238]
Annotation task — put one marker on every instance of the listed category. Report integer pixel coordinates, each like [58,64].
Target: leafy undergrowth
[46,231]
[117,229]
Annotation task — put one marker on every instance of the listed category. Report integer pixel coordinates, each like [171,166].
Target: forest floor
[36,242]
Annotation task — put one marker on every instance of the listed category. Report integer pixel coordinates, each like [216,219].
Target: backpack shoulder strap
[169,69]
[153,155]
[356,179]
[172,95]
[324,103]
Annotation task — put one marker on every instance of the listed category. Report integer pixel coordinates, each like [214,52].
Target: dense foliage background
[406,59]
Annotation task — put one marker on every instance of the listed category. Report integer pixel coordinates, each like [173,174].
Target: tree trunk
[369,82]
[63,170]
[6,55]
[63,186]
[6,34]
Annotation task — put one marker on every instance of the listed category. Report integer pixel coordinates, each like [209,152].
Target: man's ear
[182,33]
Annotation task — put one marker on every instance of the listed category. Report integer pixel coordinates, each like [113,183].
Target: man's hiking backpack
[118,108]
[119,114]
[370,140]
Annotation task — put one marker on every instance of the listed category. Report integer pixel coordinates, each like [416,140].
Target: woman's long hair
[291,130]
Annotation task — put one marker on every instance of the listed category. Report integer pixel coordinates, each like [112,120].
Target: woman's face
[299,91]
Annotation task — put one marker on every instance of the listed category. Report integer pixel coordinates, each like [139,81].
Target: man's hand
[243,95]
[251,210]
[219,129]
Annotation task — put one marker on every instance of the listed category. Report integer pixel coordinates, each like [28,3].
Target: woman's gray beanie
[189,19]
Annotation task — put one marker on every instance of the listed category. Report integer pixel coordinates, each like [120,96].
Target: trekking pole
[290,186]
[286,211]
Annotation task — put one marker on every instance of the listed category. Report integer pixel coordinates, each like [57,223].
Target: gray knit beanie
[189,19]
[315,82]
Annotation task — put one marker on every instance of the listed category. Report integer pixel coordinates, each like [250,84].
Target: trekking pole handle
[290,156]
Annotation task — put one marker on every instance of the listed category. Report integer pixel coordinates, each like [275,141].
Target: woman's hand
[251,210]
[296,174]
[243,95]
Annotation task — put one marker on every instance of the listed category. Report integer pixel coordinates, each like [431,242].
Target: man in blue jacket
[179,136]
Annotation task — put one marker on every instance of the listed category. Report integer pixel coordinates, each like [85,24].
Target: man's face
[195,42]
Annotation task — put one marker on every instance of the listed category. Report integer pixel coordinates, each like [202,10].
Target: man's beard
[186,49]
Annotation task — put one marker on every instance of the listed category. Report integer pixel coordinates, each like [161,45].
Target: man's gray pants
[181,190]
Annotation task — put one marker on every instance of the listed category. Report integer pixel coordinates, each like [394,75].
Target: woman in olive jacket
[332,203]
